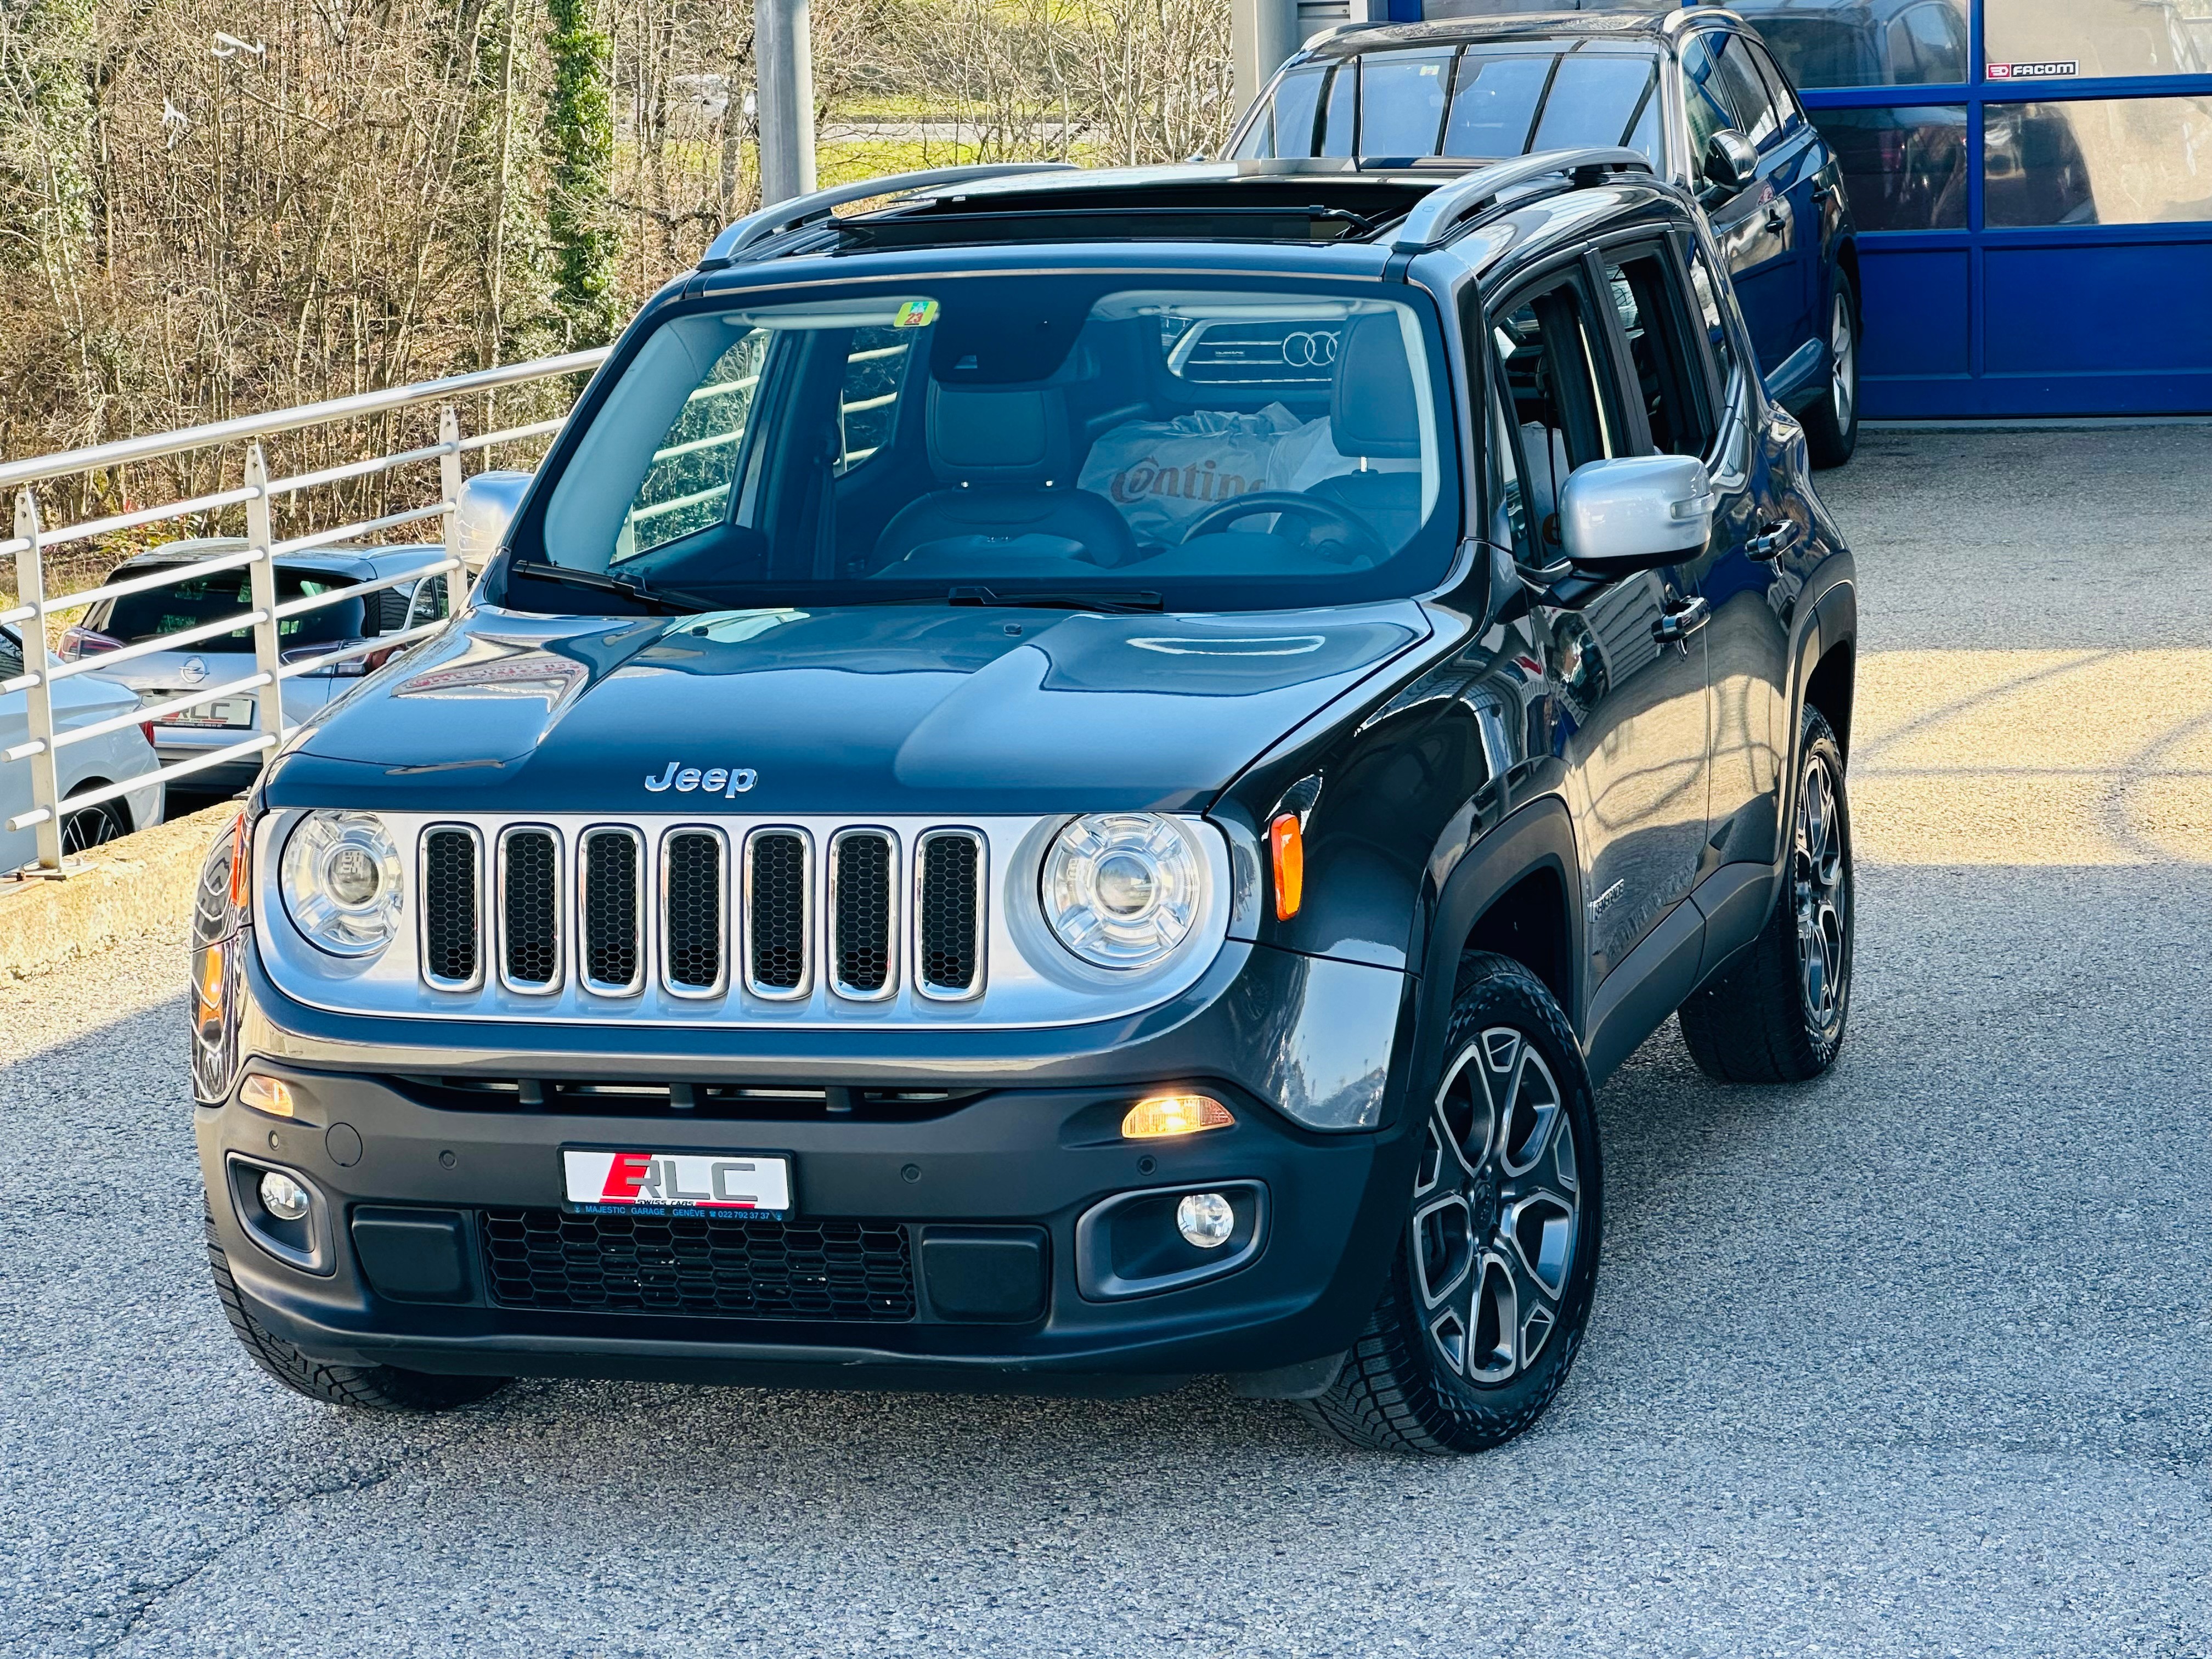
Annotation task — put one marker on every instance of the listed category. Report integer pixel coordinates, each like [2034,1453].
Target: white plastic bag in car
[1163,474]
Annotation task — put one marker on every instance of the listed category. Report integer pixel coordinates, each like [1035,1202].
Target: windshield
[1475,103]
[1218,447]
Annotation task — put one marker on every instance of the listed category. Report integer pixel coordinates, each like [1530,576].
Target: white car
[111,757]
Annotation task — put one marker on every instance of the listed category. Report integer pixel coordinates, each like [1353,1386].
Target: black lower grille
[949,925]
[612,885]
[530,906]
[745,1266]
[692,919]
[860,881]
[449,906]
[776,911]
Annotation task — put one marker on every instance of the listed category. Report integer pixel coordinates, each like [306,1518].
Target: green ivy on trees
[580,145]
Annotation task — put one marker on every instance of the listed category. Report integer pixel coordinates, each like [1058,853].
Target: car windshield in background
[1214,447]
[1473,103]
[201,599]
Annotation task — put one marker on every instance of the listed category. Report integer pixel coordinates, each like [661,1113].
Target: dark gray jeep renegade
[1063,781]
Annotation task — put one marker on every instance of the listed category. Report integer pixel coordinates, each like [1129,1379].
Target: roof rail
[1439,213]
[759,227]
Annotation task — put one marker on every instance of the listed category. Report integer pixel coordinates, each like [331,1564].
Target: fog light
[287,1199]
[266,1094]
[1175,1114]
[1205,1219]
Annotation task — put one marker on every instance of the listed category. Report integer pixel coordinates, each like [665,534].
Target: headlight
[1121,888]
[342,883]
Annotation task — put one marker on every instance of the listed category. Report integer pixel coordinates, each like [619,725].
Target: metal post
[1262,34]
[46,776]
[449,463]
[262,574]
[783,60]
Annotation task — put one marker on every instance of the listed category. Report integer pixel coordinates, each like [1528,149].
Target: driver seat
[1372,417]
[1009,507]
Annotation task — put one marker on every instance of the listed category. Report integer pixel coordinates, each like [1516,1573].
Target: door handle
[1777,217]
[1676,626]
[1774,540]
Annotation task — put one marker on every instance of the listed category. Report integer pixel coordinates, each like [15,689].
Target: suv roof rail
[756,228]
[1440,212]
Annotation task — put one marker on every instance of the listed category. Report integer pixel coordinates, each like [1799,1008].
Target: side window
[1704,96]
[1337,125]
[1747,91]
[429,603]
[1779,92]
[1707,288]
[11,654]
[868,397]
[1669,383]
[687,488]
[1286,126]
[1550,351]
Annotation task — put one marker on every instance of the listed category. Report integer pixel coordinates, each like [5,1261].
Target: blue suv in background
[1695,90]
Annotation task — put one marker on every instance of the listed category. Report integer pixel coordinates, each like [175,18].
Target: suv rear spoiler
[1442,210]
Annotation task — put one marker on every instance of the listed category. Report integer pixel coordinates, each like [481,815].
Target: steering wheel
[1319,515]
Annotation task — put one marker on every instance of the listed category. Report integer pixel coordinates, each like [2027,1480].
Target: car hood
[880,708]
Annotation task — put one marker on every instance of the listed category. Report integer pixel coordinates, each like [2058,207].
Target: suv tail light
[346,668]
[80,642]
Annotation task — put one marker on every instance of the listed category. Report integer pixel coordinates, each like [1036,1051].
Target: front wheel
[1832,425]
[1492,1280]
[1777,1016]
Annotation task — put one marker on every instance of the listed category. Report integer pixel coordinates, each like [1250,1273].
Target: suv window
[867,401]
[199,599]
[1707,288]
[11,654]
[1779,93]
[1647,298]
[1704,96]
[1760,121]
[1550,347]
[687,486]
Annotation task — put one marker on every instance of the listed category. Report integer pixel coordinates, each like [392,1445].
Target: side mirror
[1731,161]
[480,517]
[1636,514]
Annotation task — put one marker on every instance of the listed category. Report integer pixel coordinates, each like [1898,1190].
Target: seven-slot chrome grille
[685,910]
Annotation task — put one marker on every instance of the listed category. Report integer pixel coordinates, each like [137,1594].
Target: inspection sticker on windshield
[915,313]
[596,1180]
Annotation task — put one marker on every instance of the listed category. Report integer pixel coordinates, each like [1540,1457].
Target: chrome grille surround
[767,893]
[929,894]
[610,927]
[850,908]
[424,877]
[1025,979]
[676,935]
[507,942]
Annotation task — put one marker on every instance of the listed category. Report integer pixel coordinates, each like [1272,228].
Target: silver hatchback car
[192,601]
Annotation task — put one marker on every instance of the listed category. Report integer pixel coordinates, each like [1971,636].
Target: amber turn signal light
[267,1094]
[1287,842]
[1158,1116]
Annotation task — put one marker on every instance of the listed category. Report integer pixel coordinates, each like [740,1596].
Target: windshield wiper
[667,599]
[1124,602]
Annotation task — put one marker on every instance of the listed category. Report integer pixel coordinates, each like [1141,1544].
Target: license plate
[676,1181]
[212,713]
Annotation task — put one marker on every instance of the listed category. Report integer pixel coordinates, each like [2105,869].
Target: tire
[1778,1015]
[91,827]
[1832,425]
[365,1387]
[1489,1289]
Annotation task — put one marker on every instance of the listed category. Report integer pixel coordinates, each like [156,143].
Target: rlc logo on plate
[703,1180]
[2053,71]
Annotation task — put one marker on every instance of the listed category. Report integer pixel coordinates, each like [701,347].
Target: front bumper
[1026,1149]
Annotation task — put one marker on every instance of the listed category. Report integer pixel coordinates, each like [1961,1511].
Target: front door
[1632,709]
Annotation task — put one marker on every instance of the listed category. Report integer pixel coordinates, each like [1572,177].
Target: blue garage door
[2033,182]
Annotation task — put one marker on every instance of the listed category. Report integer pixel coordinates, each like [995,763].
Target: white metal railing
[50,810]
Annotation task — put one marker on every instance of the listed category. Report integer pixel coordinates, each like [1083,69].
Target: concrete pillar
[1262,34]
[783,61]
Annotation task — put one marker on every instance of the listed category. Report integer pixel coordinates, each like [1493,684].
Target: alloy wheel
[1842,363]
[94,826]
[1822,896]
[1496,1210]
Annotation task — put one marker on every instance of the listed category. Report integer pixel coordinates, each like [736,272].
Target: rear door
[1633,713]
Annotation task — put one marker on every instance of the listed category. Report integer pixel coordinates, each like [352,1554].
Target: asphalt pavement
[1909,1361]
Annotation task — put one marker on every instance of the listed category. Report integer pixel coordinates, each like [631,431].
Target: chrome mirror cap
[480,517]
[1636,512]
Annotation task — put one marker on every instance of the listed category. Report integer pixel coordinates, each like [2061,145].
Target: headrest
[1371,409]
[979,435]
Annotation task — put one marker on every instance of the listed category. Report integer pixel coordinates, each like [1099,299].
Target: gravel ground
[1910,1361]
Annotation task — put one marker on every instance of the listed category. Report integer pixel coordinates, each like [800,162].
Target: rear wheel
[1492,1284]
[1832,425]
[368,1387]
[1777,1016]
[93,826]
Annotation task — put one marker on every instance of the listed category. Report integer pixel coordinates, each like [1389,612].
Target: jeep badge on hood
[729,780]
